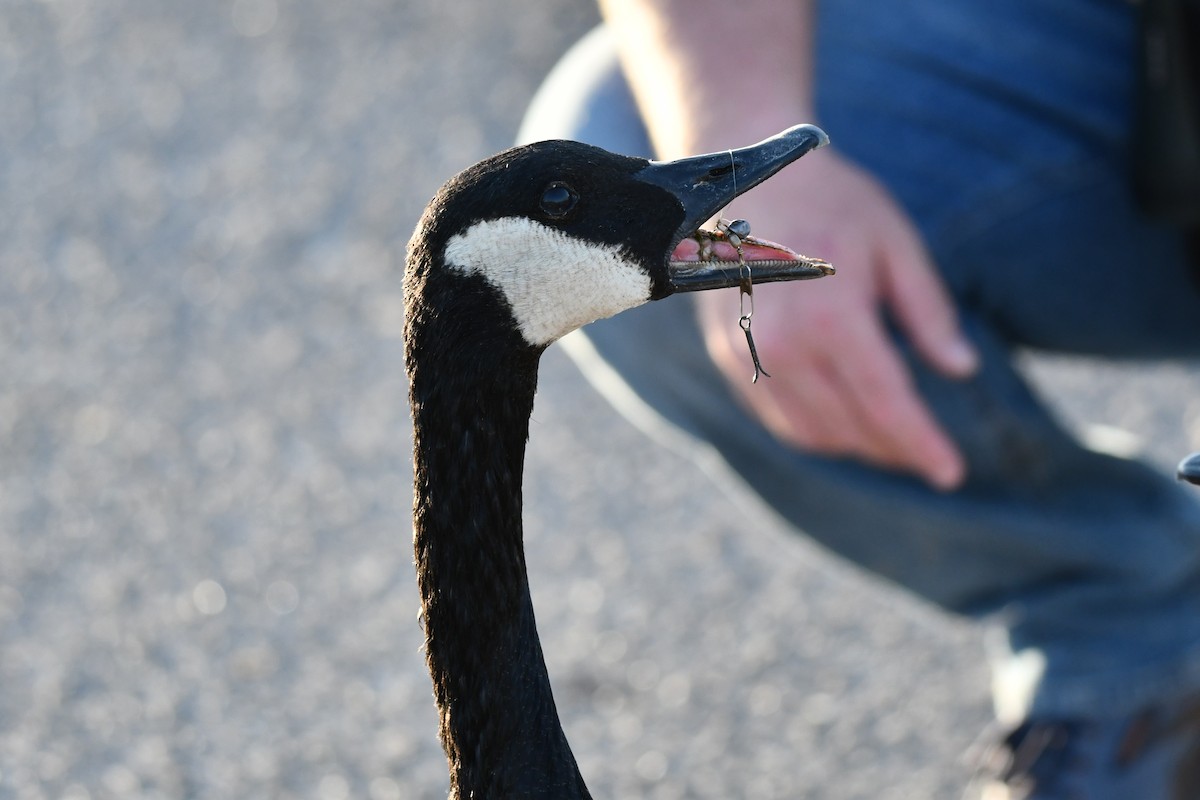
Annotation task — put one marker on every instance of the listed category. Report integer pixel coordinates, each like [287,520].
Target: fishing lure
[734,232]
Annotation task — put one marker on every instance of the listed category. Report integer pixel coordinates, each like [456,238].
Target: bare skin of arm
[840,386]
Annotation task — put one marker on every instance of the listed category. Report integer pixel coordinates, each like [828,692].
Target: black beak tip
[812,133]
[785,147]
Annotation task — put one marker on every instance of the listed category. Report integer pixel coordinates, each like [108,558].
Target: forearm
[710,74]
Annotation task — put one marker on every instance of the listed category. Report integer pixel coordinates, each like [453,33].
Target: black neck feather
[472,382]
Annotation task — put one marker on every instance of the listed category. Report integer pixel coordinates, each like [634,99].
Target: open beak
[704,185]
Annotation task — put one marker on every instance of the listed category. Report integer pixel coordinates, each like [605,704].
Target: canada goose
[510,255]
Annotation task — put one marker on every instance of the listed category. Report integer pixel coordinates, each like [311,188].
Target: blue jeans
[1003,129]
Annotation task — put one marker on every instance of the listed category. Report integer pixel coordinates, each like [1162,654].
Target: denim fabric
[1003,128]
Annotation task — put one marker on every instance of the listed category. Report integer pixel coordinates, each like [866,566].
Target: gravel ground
[205,571]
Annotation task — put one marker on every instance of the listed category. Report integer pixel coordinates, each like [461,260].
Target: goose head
[559,233]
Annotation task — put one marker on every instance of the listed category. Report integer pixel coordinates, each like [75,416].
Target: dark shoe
[1152,755]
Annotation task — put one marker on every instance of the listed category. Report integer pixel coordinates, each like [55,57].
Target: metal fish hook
[735,231]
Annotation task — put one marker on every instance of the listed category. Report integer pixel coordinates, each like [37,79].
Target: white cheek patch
[554,282]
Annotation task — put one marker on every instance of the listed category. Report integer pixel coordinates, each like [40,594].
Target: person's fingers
[840,390]
[920,303]
[805,408]
[841,386]
[799,404]
[900,429]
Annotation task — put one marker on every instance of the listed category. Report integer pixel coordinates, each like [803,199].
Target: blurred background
[206,587]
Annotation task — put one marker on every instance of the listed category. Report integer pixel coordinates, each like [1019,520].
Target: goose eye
[558,200]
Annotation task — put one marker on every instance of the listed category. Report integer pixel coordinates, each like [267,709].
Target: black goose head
[566,233]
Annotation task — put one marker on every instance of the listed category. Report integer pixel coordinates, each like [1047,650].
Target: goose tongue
[720,249]
[691,269]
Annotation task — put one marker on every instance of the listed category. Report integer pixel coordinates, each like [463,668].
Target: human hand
[840,386]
